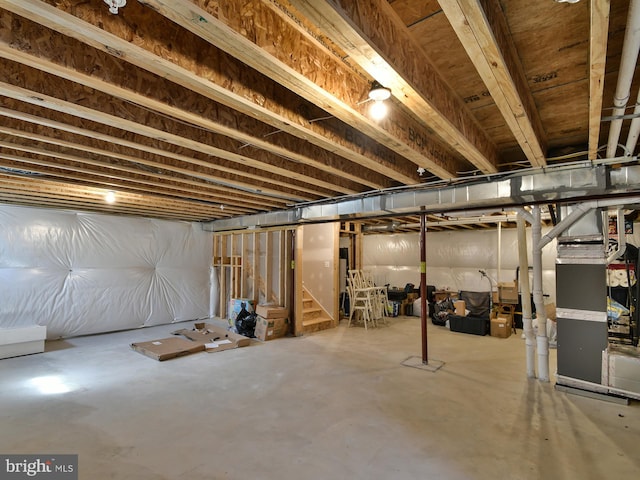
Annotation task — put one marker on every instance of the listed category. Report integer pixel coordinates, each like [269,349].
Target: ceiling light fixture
[114,5]
[567,1]
[110,197]
[378,94]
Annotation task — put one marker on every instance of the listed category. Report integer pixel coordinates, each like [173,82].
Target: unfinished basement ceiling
[199,110]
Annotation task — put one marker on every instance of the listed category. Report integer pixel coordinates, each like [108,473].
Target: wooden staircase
[314,317]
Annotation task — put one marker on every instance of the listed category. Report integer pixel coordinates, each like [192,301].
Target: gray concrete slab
[336,404]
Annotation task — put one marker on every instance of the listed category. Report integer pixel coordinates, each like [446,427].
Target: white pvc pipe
[525,295]
[541,337]
[630,49]
[576,214]
[499,253]
[634,130]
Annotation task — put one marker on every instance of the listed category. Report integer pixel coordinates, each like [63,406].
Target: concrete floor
[338,404]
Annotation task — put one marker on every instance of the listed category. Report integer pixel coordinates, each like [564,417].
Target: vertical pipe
[525,290]
[423,285]
[542,340]
[292,281]
[634,130]
[630,49]
[499,253]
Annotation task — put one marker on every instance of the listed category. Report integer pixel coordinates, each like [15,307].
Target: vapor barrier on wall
[454,259]
[81,273]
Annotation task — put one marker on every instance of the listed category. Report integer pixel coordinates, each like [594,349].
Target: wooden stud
[298,285]
[599,29]
[268,267]
[335,289]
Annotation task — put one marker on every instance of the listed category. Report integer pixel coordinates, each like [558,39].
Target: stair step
[311,310]
[315,321]
[314,317]
[317,324]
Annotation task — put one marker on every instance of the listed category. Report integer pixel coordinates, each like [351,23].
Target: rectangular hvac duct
[559,185]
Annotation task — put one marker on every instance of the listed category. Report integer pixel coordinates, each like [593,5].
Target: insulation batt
[81,273]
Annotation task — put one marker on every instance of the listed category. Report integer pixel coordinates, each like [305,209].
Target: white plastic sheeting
[453,259]
[80,273]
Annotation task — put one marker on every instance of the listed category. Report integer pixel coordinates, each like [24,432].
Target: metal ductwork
[551,185]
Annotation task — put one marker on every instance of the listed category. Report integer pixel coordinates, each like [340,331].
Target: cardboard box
[412,296]
[271,328]
[235,305]
[550,311]
[272,311]
[460,307]
[495,298]
[166,348]
[508,292]
[501,326]
[213,337]
[22,340]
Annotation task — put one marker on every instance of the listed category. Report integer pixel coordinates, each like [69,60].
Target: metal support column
[423,285]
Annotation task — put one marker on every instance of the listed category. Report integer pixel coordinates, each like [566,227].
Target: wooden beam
[482,29]
[374,37]
[183,176]
[55,193]
[599,30]
[150,182]
[120,187]
[165,159]
[94,71]
[259,46]
[120,39]
[241,161]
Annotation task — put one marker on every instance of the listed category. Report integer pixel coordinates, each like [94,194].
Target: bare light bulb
[110,197]
[378,110]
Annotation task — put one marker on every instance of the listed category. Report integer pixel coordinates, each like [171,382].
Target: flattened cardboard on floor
[166,348]
[214,338]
